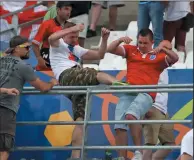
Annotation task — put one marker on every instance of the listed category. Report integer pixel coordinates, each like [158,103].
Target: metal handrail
[38,148]
[37,123]
[116,87]
[21,10]
[110,91]
[89,90]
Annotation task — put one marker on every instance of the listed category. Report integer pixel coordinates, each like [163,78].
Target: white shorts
[137,105]
[107,4]
[81,19]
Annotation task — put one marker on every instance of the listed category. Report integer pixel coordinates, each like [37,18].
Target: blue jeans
[152,12]
[137,105]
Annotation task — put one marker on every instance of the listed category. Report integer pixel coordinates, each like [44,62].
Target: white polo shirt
[161,100]
[187,143]
[62,58]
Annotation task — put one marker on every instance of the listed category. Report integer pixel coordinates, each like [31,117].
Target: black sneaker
[91,33]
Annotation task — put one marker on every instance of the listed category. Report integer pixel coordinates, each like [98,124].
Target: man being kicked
[64,58]
[144,66]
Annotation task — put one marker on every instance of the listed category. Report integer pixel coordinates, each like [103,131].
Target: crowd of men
[58,46]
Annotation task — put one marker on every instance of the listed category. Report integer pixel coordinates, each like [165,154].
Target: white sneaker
[137,156]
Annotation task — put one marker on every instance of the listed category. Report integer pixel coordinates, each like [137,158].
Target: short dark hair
[14,42]
[69,24]
[61,4]
[146,32]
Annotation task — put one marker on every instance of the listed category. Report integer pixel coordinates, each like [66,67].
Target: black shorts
[7,129]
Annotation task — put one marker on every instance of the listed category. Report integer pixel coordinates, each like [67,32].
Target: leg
[180,39]
[96,12]
[140,105]
[105,78]
[4,155]
[151,131]
[156,12]
[121,138]
[162,154]
[112,17]
[121,129]
[78,105]
[143,19]
[166,137]
[113,10]
[7,132]
[77,139]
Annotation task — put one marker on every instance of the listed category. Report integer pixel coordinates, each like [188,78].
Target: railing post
[85,126]
[14,24]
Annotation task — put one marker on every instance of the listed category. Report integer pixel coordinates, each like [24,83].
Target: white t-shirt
[187,143]
[177,10]
[161,100]
[61,58]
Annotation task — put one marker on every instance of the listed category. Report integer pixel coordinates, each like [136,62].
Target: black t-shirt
[80,7]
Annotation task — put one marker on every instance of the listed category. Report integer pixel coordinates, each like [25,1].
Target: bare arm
[41,61]
[114,47]
[54,38]
[9,91]
[172,57]
[96,55]
[43,86]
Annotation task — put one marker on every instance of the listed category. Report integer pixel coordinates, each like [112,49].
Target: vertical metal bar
[86,119]
[15,22]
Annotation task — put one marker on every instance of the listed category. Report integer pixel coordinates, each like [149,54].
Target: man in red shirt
[47,28]
[144,66]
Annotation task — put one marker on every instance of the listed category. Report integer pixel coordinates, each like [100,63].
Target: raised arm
[54,38]
[114,47]
[99,54]
[172,57]
[166,47]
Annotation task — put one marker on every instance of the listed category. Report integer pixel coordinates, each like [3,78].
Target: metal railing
[15,24]
[89,91]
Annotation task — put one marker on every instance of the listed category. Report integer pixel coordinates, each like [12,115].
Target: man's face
[24,50]
[72,38]
[145,44]
[64,12]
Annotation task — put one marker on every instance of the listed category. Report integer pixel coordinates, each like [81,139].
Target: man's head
[19,46]
[64,9]
[71,38]
[145,40]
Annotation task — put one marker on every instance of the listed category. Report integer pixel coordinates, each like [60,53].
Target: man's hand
[12,91]
[54,82]
[78,27]
[125,39]
[165,44]
[105,33]
[41,63]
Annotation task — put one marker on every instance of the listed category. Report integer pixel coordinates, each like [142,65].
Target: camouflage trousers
[78,76]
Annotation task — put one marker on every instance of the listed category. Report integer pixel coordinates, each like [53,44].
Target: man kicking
[65,55]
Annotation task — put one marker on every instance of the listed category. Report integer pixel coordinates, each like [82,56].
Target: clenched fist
[80,27]
[125,39]
[105,33]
